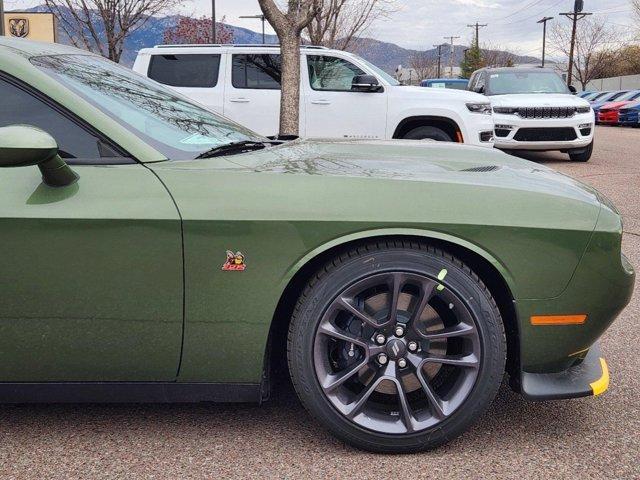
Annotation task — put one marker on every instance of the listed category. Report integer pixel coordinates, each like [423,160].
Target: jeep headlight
[484,108]
[586,109]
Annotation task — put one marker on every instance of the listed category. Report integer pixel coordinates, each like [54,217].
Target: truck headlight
[484,108]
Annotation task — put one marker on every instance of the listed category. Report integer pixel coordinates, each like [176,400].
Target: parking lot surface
[516,439]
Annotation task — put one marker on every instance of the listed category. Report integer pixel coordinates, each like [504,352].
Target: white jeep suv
[342,95]
[533,109]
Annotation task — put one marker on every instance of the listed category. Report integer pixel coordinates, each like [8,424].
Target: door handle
[239,100]
[320,102]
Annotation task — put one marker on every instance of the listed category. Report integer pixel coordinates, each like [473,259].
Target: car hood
[397,161]
[440,93]
[538,100]
[614,105]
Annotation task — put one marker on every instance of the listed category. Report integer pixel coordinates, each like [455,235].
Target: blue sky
[422,23]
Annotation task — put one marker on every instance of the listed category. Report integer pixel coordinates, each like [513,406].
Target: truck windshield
[514,82]
[169,122]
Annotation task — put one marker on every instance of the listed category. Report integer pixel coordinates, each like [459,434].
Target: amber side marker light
[558,319]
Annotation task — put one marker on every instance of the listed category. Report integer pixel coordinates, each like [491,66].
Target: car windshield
[169,122]
[514,82]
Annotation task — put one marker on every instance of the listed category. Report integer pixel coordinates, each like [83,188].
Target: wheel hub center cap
[396,349]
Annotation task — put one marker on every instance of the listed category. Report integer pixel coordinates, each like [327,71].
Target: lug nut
[402,363]
[399,331]
[382,359]
[412,346]
[380,339]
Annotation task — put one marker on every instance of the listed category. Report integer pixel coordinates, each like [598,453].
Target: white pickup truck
[342,95]
[533,109]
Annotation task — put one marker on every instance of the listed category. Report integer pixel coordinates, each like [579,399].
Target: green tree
[472,60]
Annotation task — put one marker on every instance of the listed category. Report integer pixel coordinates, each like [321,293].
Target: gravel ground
[516,439]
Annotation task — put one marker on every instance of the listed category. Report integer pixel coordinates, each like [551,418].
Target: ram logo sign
[18,27]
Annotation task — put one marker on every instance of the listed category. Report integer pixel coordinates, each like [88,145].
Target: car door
[195,75]
[91,273]
[333,109]
[252,96]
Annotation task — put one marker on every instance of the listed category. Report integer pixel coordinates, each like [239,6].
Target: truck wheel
[428,133]
[396,346]
[581,154]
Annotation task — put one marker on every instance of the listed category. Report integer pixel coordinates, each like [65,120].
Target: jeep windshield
[169,122]
[521,82]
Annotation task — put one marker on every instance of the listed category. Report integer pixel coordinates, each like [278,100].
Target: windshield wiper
[235,148]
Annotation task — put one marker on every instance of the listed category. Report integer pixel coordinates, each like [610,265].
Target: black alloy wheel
[400,357]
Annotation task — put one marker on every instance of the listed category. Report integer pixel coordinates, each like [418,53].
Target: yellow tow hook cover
[602,384]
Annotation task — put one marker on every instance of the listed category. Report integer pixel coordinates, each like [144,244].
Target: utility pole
[477,26]
[544,21]
[213,21]
[574,16]
[439,56]
[451,53]
[1,17]
[260,17]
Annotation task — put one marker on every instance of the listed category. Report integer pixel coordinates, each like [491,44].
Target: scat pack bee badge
[235,262]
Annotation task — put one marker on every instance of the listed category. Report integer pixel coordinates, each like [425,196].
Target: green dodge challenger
[155,251]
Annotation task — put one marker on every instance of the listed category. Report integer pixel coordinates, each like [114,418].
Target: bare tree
[197,30]
[102,26]
[597,45]
[424,64]
[338,22]
[289,25]
[495,56]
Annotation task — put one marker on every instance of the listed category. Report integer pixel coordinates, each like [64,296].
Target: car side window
[192,71]
[262,72]
[472,81]
[481,81]
[331,73]
[74,142]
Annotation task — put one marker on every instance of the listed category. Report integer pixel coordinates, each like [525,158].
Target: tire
[419,423]
[581,154]
[428,133]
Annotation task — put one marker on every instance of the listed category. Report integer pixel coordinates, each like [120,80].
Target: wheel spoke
[407,416]
[437,406]
[345,304]
[395,287]
[467,361]
[356,406]
[331,382]
[459,330]
[330,330]
[427,288]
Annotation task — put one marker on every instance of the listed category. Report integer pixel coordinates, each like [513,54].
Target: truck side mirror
[26,145]
[365,83]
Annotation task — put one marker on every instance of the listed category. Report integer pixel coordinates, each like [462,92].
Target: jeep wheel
[581,154]
[396,347]
[428,133]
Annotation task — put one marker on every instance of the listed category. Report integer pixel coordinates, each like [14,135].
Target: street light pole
[260,17]
[451,54]
[544,21]
[1,17]
[213,21]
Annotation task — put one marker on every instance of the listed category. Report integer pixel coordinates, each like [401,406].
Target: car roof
[517,69]
[158,49]
[30,48]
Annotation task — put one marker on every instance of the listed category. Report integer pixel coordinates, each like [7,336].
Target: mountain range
[383,54]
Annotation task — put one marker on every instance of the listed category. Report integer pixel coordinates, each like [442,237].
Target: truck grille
[545,135]
[546,112]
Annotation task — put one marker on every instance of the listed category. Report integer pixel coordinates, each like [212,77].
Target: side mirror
[479,89]
[365,83]
[25,145]
[573,89]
